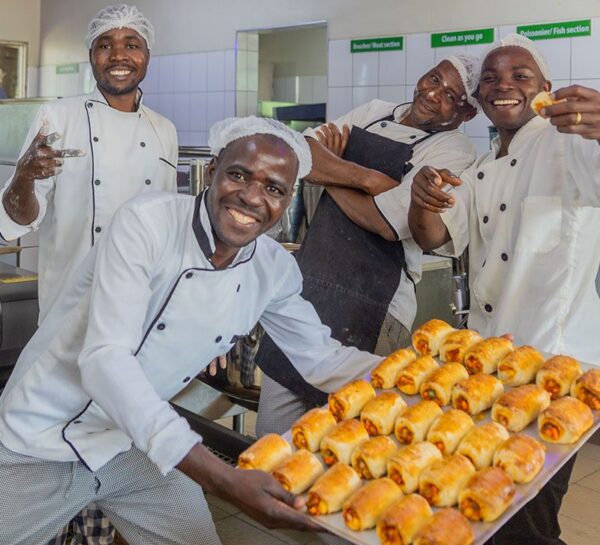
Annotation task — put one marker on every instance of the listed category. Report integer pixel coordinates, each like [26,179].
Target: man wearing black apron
[357,260]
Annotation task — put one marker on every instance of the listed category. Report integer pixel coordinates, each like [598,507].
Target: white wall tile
[505,30]
[198,138]
[559,83]
[360,95]
[242,41]
[253,41]
[67,85]
[166,72]
[151,101]
[365,69]
[150,83]
[181,111]
[305,90]
[215,107]
[240,103]
[392,93]
[48,81]
[278,88]
[241,77]
[230,70]
[392,68]
[440,53]
[198,72]
[340,63]
[29,259]
[320,88]
[478,49]
[166,105]
[584,54]
[420,57]
[86,78]
[229,103]
[558,56]
[181,83]
[215,71]
[30,239]
[478,126]
[339,102]
[198,112]
[252,103]
[592,83]
[33,81]
[183,138]
[482,145]
[252,71]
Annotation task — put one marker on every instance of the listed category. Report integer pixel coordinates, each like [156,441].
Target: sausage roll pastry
[565,421]
[477,393]
[349,400]
[379,414]
[486,495]
[265,454]
[557,375]
[520,366]
[298,471]
[448,430]
[414,423]
[521,457]
[481,442]
[446,527]
[412,376]
[402,520]
[427,338]
[405,467]
[441,482]
[386,373]
[338,444]
[332,489]
[365,506]
[517,408]
[438,385]
[484,357]
[311,427]
[542,100]
[370,458]
[587,388]
[454,346]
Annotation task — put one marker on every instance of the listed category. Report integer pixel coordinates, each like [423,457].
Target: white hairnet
[226,131]
[120,16]
[468,68]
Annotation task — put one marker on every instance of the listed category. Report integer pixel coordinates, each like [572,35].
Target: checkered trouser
[89,527]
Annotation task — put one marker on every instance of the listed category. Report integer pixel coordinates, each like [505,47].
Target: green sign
[548,31]
[67,68]
[463,37]
[395,43]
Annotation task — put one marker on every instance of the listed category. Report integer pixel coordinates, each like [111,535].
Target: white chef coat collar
[97,96]
[535,124]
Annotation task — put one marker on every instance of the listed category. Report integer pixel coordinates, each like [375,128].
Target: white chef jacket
[448,149]
[146,311]
[126,153]
[531,220]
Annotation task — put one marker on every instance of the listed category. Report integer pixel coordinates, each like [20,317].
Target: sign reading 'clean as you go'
[463,37]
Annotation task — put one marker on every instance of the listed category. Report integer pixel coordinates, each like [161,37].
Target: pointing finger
[70,153]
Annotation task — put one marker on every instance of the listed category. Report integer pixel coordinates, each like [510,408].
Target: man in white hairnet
[85,415]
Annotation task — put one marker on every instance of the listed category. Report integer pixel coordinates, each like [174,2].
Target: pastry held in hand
[379,415]
[367,504]
[557,375]
[441,482]
[414,423]
[542,100]
[516,409]
[407,464]
[446,527]
[386,373]
[338,444]
[481,442]
[332,489]
[520,366]
[587,389]
[265,453]
[438,385]
[412,376]
[298,471]
[310,428]
[455,345]
[565,421]
[477,393]
[449,429]
[349,400]
[486,495]
[521,457]
[402,520]
[427,338]
[369,459]
[484,356]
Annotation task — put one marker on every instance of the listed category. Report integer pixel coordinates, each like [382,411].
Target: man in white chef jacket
[528,211]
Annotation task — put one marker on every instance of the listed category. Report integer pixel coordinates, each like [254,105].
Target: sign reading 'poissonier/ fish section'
[463,37]
[548,31]
[395,43]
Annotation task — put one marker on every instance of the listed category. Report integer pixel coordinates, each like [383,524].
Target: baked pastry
[486,495]
[414,423]
[366,505]
[370,458]
[481,442]
[298,471]
[484,356]
[454,346]
[521,457]
[557,375]
[446,527]
[427,338]
[587,388]
[516,409]
[349,400]
[332,489]
[379,414]
[402,520]
[441,482]
[520,366]
[565,421]
[412,376]
[438,385]
[339,442]
[477,393]
[542,100]
[407,464]
[311,427]
[265,454]
[386,373]
[447,430]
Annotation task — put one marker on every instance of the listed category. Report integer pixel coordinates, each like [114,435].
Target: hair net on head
[120,16]
[468,68]
[224,132]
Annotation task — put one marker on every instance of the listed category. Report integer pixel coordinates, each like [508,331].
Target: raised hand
[427,190]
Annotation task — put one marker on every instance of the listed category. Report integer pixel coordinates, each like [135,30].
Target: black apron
[350,274]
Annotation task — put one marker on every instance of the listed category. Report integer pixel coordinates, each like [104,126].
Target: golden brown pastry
[520,366]
[427,338]
[438,385]
[379,414]
[521,457]
[484,356]
[565,421]
[414,423]
[446,527]
[370,458]
[265,454]
[481,442]
[477,393]
[516,409]
[557,375]
[454,346]
[441,482]
[386,373]
[411,377]
[407,464]
[365,506]
[338,444]
[587,389]
[542,100]
[402,520]
[311,427]
[486,495]
[332,489]
[298,471]
[448,430]
[349,400]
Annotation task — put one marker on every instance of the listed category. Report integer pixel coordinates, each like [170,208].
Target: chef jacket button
[488,308]
[90,104]
[95,139]
[480,175]
[77,422]
[189,275]
[148,181]
[160,326]
[238,287]
[483,264]
[513,162]
[486,219]
[96,182]
[187,379]
[98,229]
[413,136]
[143,144]
[383,124]
[502,207]
[218,339]
[504,257]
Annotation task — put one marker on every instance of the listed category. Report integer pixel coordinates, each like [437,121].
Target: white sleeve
[582,158]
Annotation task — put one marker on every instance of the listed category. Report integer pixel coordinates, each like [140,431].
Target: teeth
[506,102]
[120,72]
[241,218]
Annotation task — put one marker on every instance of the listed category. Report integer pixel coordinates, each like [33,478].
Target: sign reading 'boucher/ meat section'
[395,43]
